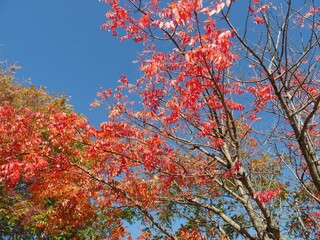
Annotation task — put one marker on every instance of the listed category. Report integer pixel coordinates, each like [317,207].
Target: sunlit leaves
[39,141]
[203,112]
[182,151]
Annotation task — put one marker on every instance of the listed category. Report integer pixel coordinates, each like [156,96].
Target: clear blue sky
[59,45]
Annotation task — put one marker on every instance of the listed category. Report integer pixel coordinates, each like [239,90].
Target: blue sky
[59,45]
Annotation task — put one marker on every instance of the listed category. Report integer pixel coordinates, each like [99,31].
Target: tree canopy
[31,155]
[218,138]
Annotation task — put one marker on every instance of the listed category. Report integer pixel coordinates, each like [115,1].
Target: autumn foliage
[39,140]
[218,138]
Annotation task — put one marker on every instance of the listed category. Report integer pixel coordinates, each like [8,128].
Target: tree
[27,209]
[225,141]
[230,96]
